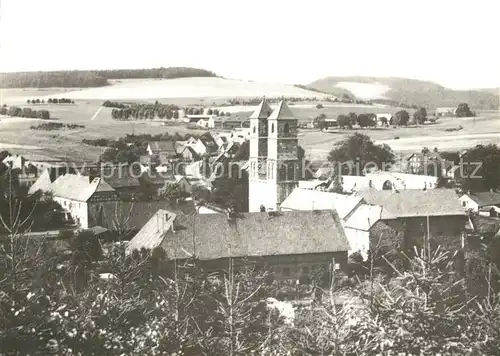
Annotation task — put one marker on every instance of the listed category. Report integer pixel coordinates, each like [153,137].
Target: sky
[454,43]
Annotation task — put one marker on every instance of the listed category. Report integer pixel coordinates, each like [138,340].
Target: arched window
[272,128]
[286,129]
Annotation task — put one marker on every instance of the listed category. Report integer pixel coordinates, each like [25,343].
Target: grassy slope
[417,92]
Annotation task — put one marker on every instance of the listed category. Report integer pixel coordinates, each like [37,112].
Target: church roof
[263,111]
[282,112]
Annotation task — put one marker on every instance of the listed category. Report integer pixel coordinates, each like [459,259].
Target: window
[305,270]
[272,128]
[286,128]
[464,203]
[286,271]
[254,129]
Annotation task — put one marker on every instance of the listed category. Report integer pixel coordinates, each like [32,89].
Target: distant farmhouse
[447,112]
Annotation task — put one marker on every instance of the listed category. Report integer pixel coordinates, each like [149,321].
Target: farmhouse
[206,121]
[488,202]
[291,244]
[426,163]
[417,213]
[78,195]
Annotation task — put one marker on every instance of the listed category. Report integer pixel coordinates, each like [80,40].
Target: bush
[319,106]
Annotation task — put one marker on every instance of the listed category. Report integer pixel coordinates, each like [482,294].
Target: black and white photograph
[232,178]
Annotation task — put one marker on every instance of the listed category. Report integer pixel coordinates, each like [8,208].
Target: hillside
[407,91]
[93,78]
[215,87]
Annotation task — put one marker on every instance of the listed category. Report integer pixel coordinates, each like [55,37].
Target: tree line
[93,78]
[50,101]
[51,126]
[16,111]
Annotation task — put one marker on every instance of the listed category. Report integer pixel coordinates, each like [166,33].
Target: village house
[415,214]
[15,161]
[78,195]
[189,154]
[426,163]
[164,148]
[484,203]
[290,244]
[122,178]
[205,121]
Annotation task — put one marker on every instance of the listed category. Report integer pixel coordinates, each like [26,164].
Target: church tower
[274,167]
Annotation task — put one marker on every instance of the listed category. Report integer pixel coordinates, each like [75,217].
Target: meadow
[66,144]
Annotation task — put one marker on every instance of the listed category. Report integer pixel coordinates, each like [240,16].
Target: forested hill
[93,78]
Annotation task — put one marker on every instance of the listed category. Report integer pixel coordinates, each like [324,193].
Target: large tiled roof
[306,199]
[253,234]
[78,187]
[413,203]
[485,198]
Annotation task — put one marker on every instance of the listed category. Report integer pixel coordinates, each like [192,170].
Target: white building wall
[468,203]
[77,209]
[359,241]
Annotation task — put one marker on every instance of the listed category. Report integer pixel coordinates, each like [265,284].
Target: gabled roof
[190,149]
[485,198]
[162,146]
[252,234]
[151,234]
[282,112]
[42,183]
[364,217]
[78,187]
[263,111]
[305,199]
[415,203]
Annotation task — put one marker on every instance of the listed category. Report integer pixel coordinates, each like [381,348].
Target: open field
[63,144]
[209,87]
[66,144]
[482,130]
